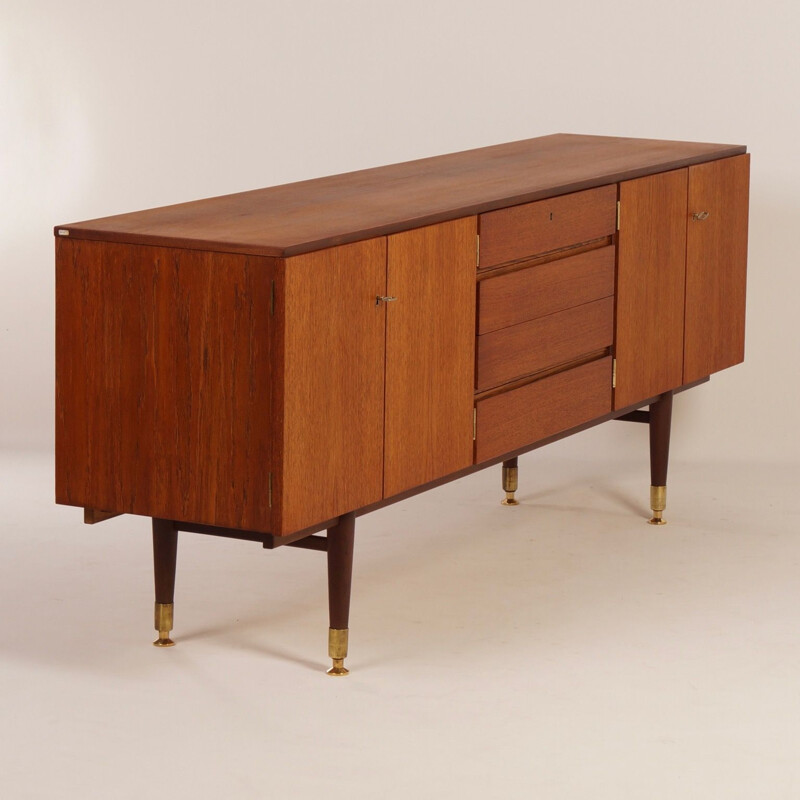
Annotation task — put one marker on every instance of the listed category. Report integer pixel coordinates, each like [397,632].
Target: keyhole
[551,216]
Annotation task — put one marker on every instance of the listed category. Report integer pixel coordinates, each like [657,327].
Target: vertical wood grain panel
[716,266]
[333,355]
[163,382]
[651,274]
[430,353]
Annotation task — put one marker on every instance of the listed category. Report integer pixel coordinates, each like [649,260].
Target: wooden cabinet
[430,363]
[268,365]
[651,282]
[331,397]
[378,370]
[716,266]
[682,256]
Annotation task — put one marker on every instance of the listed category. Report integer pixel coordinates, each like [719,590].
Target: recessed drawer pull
[700,216]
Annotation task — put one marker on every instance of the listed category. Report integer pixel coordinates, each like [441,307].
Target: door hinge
[614,373]
[272,299]
[617,214]
[474,424]
[477,249]
[270,490]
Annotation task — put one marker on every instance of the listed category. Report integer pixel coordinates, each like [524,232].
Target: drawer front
[521,231]
[526,348]
[517,418]
[544,289]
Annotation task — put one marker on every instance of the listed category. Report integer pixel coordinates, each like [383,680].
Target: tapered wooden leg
[660,423]
[165,550]
[510,482]
[340,574]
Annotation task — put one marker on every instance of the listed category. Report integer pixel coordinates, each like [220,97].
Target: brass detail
[384,299]
[91,516]
[337,650]
[617,214]
[163,624]
[658,502]
[269,481]
[477,249]
[613,373]
[63,232]
[474,424]
[700,216]
[510,475]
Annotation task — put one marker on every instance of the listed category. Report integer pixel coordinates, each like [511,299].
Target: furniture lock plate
[618,204]
[700,216]
[614,373]
[384,299]
[477,249]
[474,424]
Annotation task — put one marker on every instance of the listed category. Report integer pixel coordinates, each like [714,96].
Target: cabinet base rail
[338,543]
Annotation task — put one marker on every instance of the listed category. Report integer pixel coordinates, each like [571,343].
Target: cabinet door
[716,264]
[651,274]
[333,356]
[430,353]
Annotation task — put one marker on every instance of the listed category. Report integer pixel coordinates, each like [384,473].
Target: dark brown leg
[165,550]
[660,421]
[510,482]
[340,574]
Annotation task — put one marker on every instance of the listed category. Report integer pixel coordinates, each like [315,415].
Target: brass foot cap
[338,668]
[163,640]
[510,500]
[656,521]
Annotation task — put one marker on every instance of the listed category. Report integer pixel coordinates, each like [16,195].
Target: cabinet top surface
[309,215]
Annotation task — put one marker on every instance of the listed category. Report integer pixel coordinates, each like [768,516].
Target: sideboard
[272,364]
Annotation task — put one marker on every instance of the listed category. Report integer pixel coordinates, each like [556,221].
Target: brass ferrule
[163,618]
[510,479]
[337,643]
[658,498]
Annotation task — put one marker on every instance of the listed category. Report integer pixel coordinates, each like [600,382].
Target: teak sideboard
[271,364]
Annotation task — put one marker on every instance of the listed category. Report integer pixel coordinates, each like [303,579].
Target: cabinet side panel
[163,382]
[430,353]
[651,277]
[333,382]
[716,266]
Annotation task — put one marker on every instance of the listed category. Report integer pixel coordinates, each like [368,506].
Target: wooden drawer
[544,289]
[510,234]
[520,417]
[526,348]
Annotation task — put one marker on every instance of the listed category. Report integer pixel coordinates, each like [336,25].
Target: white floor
[560,649]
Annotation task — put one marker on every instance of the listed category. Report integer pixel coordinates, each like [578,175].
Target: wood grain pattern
[333,364]
[537,291]
[716,266]
[525,230]
[520,417]
[430,353]
[309,215]
[651,276]
[163,383]
[545,342]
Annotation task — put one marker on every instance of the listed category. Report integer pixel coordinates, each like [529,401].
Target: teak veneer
[271,364]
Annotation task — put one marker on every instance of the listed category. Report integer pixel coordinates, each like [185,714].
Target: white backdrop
[107,107]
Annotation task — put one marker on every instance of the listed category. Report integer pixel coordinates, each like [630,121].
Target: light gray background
[562,649]
[111,107]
